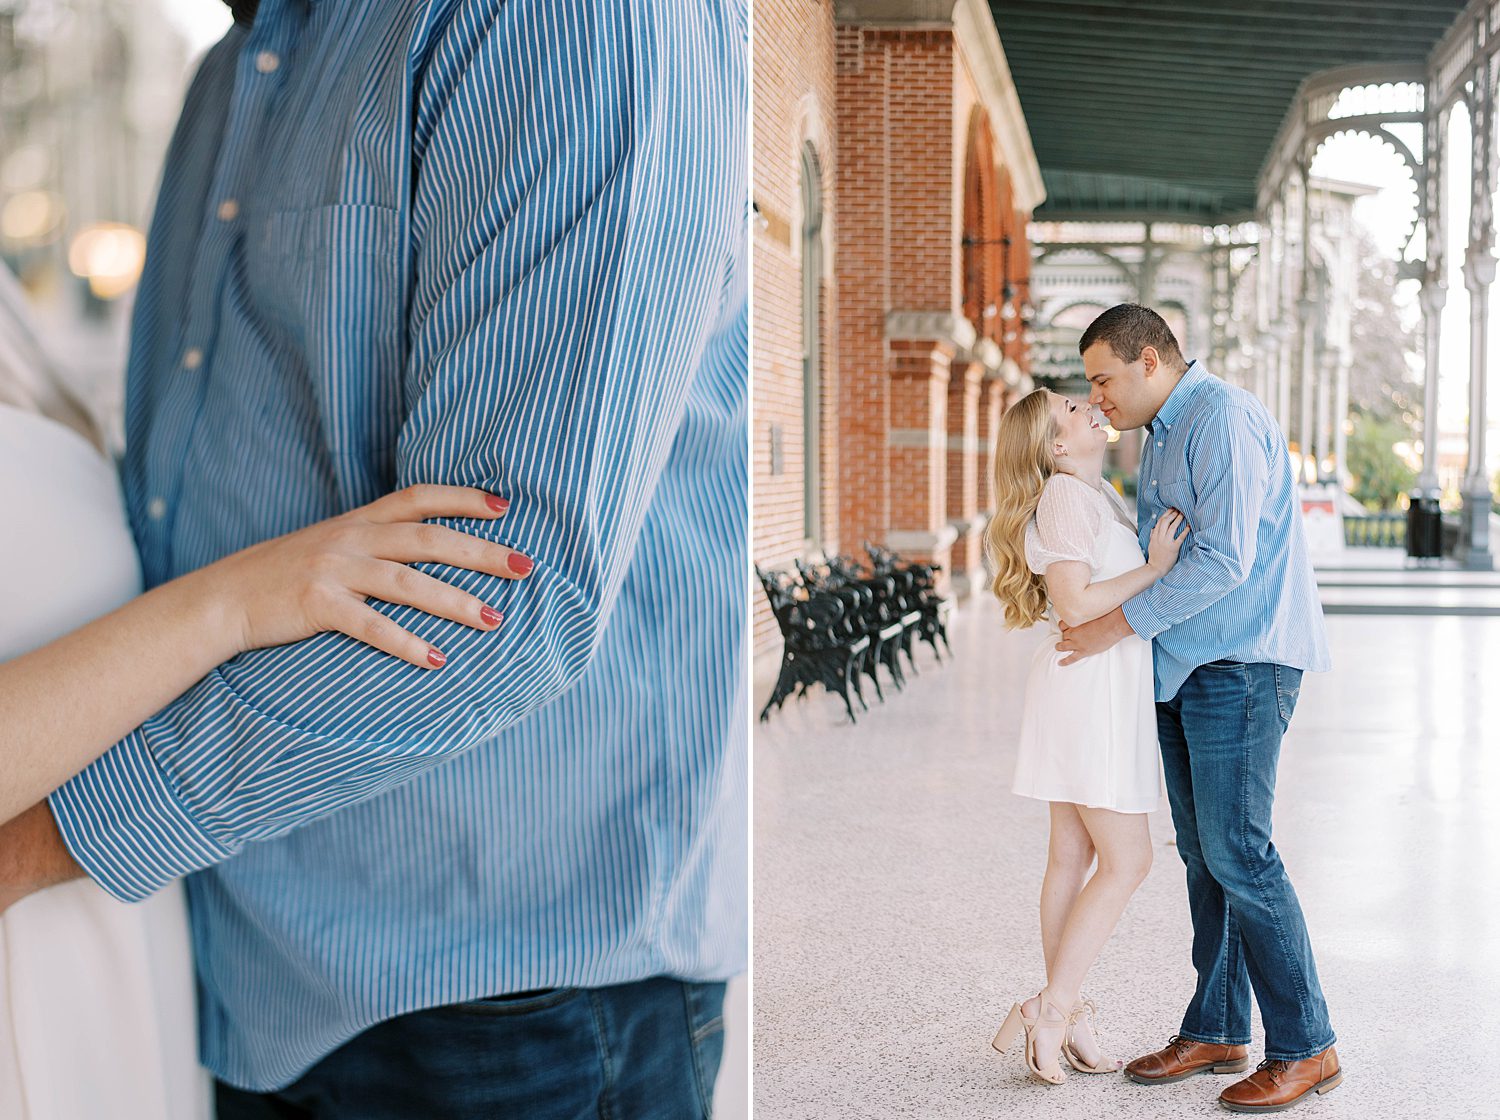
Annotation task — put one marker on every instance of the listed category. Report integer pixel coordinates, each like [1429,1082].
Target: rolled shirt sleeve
[1228,469]
[561,299]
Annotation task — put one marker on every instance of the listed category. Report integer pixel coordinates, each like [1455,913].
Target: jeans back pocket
[1288,687]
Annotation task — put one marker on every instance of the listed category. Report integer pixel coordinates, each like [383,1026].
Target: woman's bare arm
[1078,600]
[63,705]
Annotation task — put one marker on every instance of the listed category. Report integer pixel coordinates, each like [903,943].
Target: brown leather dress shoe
[1182,1057]
[1276,1086]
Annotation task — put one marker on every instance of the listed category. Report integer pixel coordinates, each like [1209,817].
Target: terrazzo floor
[896,880]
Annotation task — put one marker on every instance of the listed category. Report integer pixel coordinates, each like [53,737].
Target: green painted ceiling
[1167,108]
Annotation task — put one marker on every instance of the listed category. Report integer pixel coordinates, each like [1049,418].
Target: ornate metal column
[1340,415]
[1307,310]
[1283,331]
[1145,285]
[1434,289]
[1265,356]
[1280,399]
[1326,363]
[1284,328]
[1479,273]
[1220,290]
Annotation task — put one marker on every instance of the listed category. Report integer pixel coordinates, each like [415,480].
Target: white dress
[1088,730]
[97,1016]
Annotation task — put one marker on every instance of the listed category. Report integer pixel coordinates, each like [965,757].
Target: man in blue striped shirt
[1233,626]
[497,244]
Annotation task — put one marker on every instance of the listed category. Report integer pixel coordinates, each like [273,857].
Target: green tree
[1380,475]
[1384,375]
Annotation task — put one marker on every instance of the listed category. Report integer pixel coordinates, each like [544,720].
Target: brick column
[991,408]
[965,456]
[921,348]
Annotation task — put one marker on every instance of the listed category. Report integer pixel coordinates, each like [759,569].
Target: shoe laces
[1276,1067]
[1180,1046]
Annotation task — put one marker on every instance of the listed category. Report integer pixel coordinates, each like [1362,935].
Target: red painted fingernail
[519,564]
[496,503]
[436,658]
[490,615]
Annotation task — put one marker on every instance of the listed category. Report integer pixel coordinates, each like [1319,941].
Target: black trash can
[1424,528]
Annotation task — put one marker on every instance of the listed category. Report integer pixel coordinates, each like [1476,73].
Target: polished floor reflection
[896,878]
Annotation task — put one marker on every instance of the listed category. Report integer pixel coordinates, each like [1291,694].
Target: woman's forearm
[65,704]
[1078,602]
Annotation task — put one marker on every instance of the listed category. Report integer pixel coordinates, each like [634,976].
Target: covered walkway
[896,878]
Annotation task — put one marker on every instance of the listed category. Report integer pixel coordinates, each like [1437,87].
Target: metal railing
[1379,530]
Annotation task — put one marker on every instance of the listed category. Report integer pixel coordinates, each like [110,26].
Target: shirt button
[1153,482]
[1158,443]
[267,61]
[193,358]
[156,508]
[229,210]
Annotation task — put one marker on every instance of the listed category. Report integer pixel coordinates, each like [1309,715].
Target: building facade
[894,180]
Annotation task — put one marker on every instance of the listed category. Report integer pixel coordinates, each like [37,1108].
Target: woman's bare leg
[1123,844]
[1070,854]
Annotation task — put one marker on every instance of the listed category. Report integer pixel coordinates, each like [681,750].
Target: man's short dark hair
[1129,328]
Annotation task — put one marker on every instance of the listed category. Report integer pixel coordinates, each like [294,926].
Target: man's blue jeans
[643,1051]
[1220,741]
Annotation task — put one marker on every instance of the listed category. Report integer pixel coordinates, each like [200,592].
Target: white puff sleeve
[1069,525]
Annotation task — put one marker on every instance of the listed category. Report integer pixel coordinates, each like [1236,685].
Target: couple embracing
[1191,658]
[422,758]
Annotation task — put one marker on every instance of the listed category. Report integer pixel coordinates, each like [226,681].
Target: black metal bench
[917,583]
[876,611]
[823,644]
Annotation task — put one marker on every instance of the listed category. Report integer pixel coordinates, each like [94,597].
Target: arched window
[812,336]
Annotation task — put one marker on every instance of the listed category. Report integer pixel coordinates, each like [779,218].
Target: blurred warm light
[31,217]
[1409,453]
[1114,436]
[109,256]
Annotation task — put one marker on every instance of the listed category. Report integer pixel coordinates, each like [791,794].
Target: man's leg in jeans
[1233,717]
[1220,1008]
[648,1050]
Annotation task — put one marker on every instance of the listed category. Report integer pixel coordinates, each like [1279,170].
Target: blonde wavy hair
[1023,464]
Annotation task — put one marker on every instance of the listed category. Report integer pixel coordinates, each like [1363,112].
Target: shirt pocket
[316,269]
[1177,494]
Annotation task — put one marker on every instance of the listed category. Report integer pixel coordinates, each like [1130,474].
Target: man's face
[1122,390]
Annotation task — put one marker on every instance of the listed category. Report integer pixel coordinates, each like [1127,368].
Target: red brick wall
[897,113]
[794,103]
[897,246]
[919,404]
[863,287]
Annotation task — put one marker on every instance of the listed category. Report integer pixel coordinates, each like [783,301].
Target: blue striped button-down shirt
[496,244]
[1243,587]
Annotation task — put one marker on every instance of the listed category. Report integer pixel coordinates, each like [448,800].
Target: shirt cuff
[1143,620]
[124,824]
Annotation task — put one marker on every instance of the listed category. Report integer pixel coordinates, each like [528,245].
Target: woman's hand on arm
[317,579]
[66,703]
